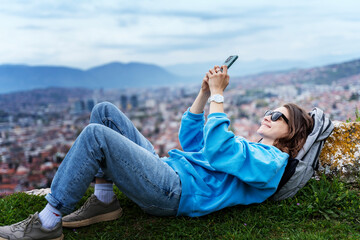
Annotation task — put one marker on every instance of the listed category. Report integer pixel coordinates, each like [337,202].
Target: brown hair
[300,126]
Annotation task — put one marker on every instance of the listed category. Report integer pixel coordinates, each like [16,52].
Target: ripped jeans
[111,147]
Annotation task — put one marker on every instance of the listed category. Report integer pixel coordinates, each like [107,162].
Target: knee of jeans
[92,129]
[100,106]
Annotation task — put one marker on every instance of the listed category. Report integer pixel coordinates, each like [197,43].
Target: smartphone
[229,61]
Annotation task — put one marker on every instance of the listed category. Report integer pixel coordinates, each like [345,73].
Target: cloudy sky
[88,33]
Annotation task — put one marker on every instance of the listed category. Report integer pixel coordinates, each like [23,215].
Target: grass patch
[324,209]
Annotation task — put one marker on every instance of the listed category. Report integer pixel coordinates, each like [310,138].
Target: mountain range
[345,73]
[140,75]
[113,75]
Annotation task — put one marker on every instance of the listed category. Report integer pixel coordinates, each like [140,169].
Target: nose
[267,118]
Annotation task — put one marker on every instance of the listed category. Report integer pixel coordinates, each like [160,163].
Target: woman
[216,169]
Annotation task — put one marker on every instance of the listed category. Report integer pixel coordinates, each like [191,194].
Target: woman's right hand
[218,80]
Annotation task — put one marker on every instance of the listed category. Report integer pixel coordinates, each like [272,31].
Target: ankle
[50,216]
[104,192]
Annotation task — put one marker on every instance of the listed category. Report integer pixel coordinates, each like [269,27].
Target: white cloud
[88,33]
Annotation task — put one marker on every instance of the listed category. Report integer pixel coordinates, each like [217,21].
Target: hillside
[112,75]
[132,75]
[316,75]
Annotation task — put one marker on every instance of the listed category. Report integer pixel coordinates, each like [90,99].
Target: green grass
[323,209]
[357,117]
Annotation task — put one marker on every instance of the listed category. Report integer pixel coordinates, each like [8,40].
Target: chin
[260,132]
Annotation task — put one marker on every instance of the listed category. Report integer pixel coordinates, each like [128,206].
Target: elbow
[214,153]
[215,149]
[210,154]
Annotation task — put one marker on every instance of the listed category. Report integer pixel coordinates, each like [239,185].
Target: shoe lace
[23,225]
[85,206]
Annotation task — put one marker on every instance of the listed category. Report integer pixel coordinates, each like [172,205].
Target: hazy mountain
[21,77]
[239,68]
[112,75]
[317,75]
[119,75]
[245,68]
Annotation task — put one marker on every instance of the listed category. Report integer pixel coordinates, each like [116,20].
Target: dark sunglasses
[275,115]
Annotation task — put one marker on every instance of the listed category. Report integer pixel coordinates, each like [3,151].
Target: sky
[89,33]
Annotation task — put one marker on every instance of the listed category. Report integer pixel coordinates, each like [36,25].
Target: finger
[217,68]
[212,71]
[224,67]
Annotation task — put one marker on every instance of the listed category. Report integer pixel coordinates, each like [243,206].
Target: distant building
[134,101]
[150,103]
[79,106]
[90,103]
[123,102]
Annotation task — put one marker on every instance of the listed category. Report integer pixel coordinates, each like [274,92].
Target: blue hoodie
[218,169]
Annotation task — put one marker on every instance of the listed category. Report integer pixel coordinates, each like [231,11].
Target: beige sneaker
[31,228]
[93,211]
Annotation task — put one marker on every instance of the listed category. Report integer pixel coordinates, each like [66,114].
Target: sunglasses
[275,115]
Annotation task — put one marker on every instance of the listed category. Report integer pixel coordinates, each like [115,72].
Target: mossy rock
[341,152]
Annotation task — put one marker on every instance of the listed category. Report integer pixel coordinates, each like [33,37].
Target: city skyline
[86,34]
[38,127]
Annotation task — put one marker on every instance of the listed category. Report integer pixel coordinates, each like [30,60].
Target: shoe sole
[100,218]
[59,238]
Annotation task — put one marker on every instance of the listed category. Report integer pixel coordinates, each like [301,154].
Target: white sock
[50,216]
[104,192]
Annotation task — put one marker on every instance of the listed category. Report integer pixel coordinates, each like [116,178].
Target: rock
[341,152]
[39,192]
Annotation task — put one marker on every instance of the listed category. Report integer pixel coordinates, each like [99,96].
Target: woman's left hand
[218,80]
[205,86]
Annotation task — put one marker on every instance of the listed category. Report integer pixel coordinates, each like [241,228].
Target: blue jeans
[111,147]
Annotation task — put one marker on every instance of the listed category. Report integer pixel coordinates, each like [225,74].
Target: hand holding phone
[229,61]
[218,83]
